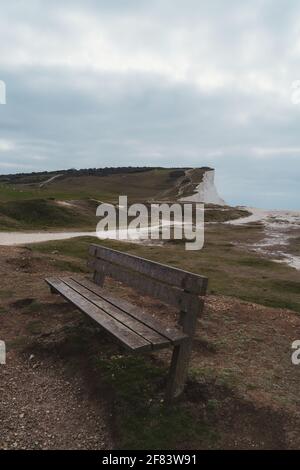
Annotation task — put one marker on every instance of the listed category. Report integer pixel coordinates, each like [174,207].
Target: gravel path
[42,409]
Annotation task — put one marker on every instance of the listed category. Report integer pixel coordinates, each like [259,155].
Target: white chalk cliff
[206,191]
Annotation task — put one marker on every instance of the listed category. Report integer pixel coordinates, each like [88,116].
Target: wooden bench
[132,327]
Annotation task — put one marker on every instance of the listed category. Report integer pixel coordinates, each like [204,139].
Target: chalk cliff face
[206,191]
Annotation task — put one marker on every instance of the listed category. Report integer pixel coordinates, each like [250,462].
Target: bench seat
[135,329]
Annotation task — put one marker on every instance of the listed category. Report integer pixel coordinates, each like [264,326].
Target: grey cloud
[62,115]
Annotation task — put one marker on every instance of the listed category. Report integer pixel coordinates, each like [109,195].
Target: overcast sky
[159,83]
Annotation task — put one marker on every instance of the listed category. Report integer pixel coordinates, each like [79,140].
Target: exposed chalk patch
[206,191]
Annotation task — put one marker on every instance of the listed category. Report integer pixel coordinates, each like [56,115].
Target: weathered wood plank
[190,282]
[156,339]
[126,336]
[147,286]
[175,335]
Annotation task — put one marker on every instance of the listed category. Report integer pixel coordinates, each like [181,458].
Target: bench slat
[173,334]
[190,282]
[156,339]
[126,336]
[147,286]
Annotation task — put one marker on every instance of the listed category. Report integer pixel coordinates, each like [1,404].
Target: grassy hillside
[70,201]
[138,186]
[50,214]
[42,214]
[156,183]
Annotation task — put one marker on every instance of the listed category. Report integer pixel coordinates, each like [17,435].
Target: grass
[230,213]
[34,307]
[142,420]
[6,294]
[48,214]
[71,266]
[76,248]
[223,377]
[259,263]
[289,286]
[295,246]
[42,214]
[138,186]
[34,327]
[66,256]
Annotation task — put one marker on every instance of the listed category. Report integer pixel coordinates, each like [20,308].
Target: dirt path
[50,180]
[21,238]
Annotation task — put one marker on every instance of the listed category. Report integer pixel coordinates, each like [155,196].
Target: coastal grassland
[232,270]
[79,214]
[42,214]
[137,186]
[224,214]
[70,202]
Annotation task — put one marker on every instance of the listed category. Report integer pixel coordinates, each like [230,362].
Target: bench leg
[178,370]
[182,352]
[53,291]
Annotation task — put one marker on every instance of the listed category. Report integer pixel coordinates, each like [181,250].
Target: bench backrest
[172,286]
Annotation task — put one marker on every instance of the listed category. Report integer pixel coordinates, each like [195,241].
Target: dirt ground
[242,381]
